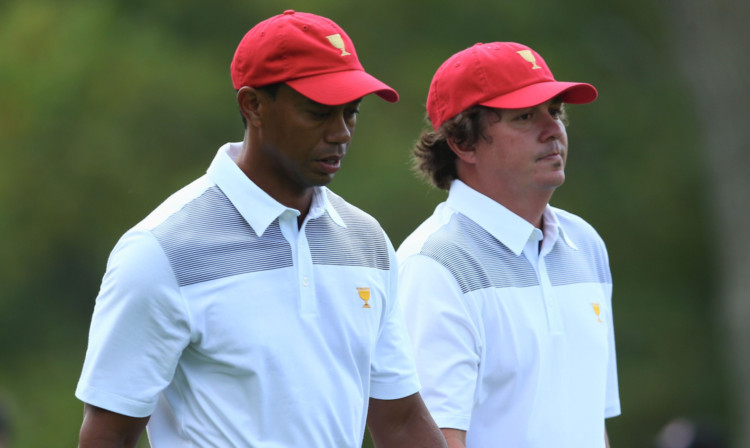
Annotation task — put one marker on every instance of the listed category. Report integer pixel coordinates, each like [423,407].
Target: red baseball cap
[503,75]
[311,54]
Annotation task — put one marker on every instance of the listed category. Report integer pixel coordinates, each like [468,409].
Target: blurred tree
[108,107]
[712,41]
[97,125]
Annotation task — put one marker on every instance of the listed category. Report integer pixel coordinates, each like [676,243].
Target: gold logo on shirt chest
[364,294]
[597,310]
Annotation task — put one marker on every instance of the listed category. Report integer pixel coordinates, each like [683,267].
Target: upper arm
[102,428]
[456,438]
[382,414]
[446,338]
[139,329]
[404,422]
[392,371]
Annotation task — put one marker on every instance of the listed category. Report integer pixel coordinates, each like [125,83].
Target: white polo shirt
[513,344]
[230,326]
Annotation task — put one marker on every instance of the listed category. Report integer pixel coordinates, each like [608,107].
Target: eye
[525,116]
[351,114]
[320,114]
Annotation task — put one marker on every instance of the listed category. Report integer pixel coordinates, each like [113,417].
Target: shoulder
[413,244]
[137,256]
[139,260]
[197,230]
[458,245]
[176,203]
[565,216]
[137,277]
[350,213]
[584,258]
[447,236]
[575,227]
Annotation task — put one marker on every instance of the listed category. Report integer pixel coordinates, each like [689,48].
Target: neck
[528,204]
[533,213]
[275,186]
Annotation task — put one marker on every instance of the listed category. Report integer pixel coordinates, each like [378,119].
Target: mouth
[330,164]
[552,155]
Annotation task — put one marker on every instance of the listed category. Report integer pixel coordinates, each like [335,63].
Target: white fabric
[275,354]
[510,349]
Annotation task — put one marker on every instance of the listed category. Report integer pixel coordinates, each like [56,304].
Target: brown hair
[434,158]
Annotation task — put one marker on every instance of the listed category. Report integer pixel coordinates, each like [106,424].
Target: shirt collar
[321,204]
[554,230]
[507,227]
[255,205]
[556,227]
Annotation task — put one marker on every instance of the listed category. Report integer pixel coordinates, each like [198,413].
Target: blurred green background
[108,107]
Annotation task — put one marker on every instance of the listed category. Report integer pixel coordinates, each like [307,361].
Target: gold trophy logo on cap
[338,42]
[529,57]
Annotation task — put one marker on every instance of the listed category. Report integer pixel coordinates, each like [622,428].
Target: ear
[249,101]
[464,153]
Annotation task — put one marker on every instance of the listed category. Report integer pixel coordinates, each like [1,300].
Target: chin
[320,182]
[554,180]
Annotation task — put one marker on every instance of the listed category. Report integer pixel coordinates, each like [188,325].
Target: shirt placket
[302,263]
[538,261]
[554,319]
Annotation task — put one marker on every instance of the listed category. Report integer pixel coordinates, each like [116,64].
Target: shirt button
[305,282]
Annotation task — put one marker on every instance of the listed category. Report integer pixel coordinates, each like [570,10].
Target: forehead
[288,94]
[556,101]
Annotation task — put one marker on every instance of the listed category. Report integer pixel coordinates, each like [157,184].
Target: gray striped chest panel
[208,239]
[361,243]
[477,260]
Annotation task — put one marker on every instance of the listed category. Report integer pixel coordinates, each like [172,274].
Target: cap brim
[342,87]
[570,92]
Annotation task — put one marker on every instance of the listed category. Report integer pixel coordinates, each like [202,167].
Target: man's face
[302,142]
[524,152]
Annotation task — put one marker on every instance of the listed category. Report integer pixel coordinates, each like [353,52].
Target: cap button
[289,12]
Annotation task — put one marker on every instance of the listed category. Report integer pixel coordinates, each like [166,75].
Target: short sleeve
[139,329]
[445,340]
[612,400]
[393,374]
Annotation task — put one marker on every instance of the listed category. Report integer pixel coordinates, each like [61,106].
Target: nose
[339,130]
[553,127]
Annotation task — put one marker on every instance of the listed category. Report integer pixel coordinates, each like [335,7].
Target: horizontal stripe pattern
[568,266]
[362,243]
[476,259]
[209,239]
